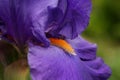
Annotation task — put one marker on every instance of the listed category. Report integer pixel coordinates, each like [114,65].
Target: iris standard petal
[22,17]
[39,12]
[53,63]
[10,14]
[72,17]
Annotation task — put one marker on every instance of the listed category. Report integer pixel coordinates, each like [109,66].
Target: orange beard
[62,44]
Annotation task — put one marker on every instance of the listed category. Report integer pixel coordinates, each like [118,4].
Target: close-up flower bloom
[51,32]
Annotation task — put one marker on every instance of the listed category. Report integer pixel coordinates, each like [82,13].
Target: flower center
[56,41]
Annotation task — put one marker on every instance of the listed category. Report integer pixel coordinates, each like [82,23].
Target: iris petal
[98,69]
[73,17]
[65,17]
[87,53]
[22,17]
[53,63]
[83,48]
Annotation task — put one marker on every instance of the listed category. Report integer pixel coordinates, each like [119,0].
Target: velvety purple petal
[23,17]
[87,53]
[54,64]
[39,12]
[77,17]
[72,17]
[9,14]
[84,49]
[98,69]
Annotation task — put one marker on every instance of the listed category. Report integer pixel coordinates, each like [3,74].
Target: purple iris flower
[33,22]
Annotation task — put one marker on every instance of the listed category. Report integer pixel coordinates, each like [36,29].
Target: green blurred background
[104,30]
